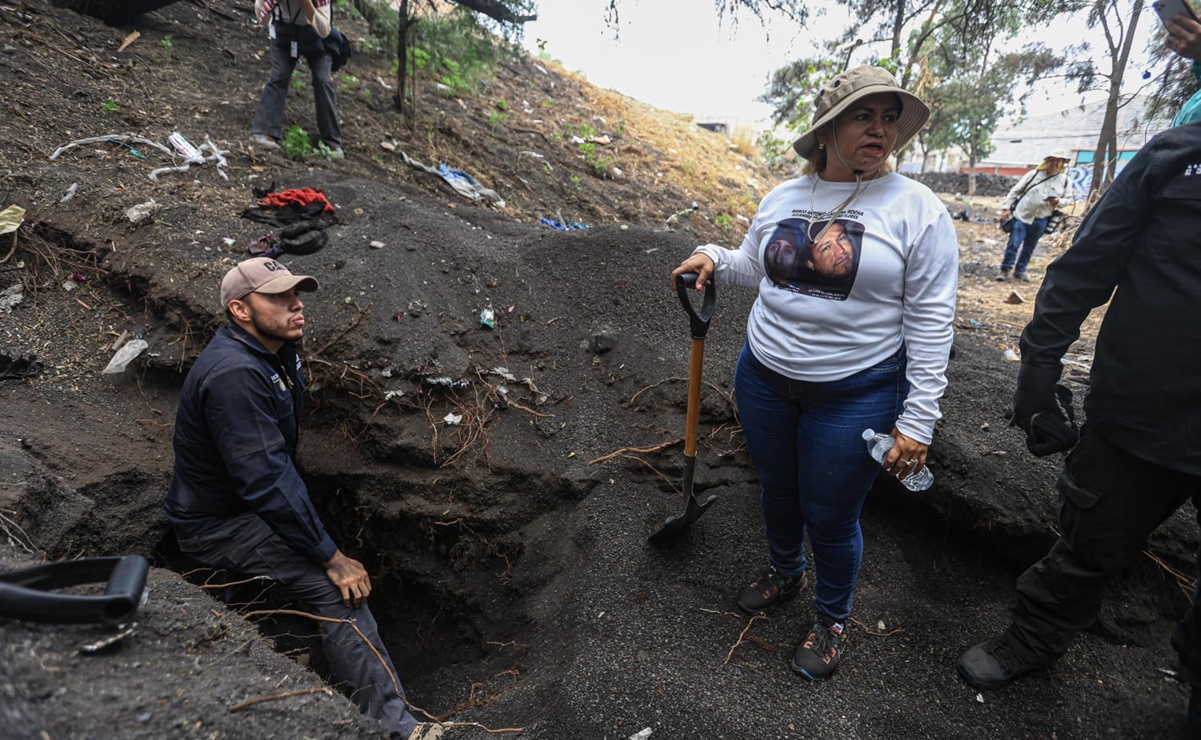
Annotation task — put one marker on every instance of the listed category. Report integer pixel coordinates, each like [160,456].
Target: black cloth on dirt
[289,214]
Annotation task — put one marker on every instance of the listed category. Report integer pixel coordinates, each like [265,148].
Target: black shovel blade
[677,523]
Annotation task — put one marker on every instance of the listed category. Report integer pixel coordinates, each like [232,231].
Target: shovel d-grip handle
[699,322]
[25,594]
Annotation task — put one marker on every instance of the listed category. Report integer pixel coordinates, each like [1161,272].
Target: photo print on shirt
[823,270]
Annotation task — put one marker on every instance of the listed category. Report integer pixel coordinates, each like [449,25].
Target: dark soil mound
[499,482]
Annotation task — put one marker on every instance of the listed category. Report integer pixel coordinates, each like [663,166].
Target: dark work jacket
[1141,244]
[235,445]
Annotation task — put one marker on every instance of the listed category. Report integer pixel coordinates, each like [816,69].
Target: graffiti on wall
[1081,177]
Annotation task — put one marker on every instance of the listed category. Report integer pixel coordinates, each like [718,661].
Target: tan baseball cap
[261,275]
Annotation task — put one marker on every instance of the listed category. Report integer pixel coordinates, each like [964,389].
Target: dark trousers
[1109,503]
[247,546]
[269,118]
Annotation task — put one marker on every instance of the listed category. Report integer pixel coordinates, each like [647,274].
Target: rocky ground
[515,585]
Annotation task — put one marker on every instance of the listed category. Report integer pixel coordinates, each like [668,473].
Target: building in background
[1019,147]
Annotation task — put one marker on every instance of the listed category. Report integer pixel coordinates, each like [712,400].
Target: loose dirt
[515,585]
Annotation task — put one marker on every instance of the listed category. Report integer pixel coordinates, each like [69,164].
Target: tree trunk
[113,12]
[1107,141]
[403,24]
[971,170]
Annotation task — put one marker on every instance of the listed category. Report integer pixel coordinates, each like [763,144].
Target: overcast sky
[675,55]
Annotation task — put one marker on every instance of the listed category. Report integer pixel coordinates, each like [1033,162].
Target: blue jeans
[1025,238]
[814,469]
[269,118]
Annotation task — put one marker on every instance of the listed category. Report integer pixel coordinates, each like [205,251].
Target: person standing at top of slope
[237,501]
[836,345]
[1032,200]
[298,28]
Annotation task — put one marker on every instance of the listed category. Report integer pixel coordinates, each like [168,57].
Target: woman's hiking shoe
[769,591]
[427,731]
[994,665]
[817,657]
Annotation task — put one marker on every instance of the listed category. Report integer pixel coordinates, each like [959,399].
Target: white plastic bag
[124,356]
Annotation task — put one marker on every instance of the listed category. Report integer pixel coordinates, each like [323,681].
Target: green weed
[110,106]
[296,143]
[168,45]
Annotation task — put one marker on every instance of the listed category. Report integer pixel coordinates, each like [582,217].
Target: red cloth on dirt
[298,196]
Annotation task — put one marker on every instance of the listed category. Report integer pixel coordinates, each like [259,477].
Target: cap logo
[273,266]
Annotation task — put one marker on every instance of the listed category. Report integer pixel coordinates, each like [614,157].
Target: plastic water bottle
[878,446]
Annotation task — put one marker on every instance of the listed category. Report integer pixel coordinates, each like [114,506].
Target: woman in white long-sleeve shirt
[856,269]
[1032,200]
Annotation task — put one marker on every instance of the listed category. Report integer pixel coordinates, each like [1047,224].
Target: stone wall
[956,182]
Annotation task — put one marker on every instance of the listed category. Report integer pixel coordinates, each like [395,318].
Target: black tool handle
[24,594]
[699,322]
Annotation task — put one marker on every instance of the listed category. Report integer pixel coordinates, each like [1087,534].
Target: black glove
[1043,410]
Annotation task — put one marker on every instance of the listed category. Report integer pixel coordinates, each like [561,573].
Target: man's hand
[1043,410]
[350,577]
[1184,37]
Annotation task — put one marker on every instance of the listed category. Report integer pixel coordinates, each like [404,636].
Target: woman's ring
[910,463]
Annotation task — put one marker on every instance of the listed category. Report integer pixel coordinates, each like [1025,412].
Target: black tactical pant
[1109,503]
[246,545]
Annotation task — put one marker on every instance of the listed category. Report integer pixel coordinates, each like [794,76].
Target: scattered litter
[388,146]
[504,373]
[1015,298]
[567,226]
[377,245]
[70,193]
[980,697]
[880,625]
[535,155]
[119,341]
[445,381]
[1011,355]
[11,219]
[95,647]
[463,183]
[393,394]
[141,212]
[487,318]
[1168,672]
[975,323]
[206,153]
[683,212]
[641,734]
[13,364]
[985,427]
[11,296]
[124,356]
[602,139]
[132,37]
[452,419]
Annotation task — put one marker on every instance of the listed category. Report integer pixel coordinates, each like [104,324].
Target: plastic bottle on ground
[878,446]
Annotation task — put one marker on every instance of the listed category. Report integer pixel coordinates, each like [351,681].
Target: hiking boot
[1002,274]
[266,142]
[334,152]
[769,591]
[817,657]
[994,665]
[1022,276]
[427,731]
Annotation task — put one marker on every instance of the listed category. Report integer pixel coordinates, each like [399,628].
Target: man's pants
[1020,247]
[269,118]
[1109,503]
[377,694]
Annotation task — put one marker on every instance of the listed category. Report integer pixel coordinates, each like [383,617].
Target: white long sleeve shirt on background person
[291,11]
[902,289]
[1034,203]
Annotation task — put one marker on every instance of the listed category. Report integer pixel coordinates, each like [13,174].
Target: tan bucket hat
[261,275]
[856,84]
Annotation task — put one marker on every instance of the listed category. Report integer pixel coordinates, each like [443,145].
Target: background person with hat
[1031,201]
[237,500]
[819,366]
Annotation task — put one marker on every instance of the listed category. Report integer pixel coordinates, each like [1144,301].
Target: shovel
[699,322]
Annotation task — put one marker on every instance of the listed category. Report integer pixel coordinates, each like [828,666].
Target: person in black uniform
[237,500]
[1137,457]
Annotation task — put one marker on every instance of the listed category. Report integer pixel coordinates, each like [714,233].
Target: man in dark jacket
[1138,457]
[237,500]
